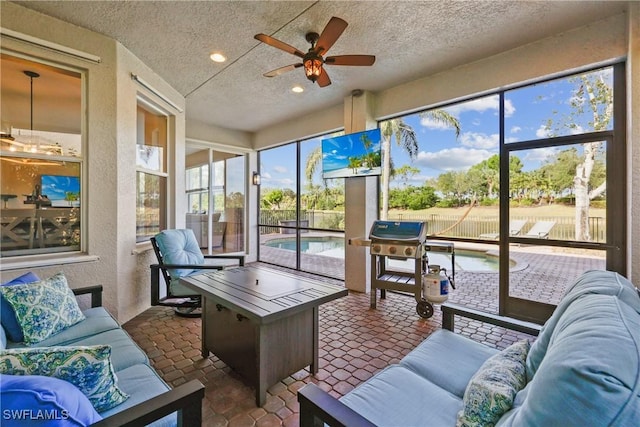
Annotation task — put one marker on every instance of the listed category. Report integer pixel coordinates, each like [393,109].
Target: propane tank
[435,284]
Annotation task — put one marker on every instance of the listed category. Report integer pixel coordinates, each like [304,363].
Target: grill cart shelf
[402,240]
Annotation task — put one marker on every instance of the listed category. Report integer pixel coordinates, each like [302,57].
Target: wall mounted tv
[63,191]
[352,155]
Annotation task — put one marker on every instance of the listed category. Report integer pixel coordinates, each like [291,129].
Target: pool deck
[540,273]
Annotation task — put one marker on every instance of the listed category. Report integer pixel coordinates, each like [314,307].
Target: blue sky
[526,112]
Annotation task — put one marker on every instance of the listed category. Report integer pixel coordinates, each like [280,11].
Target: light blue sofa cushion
[124,351]
[598,282]
[590,375]
[397,396]
[96,320]
[52,402]
[448,360]
[179,246]
[141,383]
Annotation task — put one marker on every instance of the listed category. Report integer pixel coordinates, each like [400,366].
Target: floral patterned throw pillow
[89,368]
[491,390]
[43,308]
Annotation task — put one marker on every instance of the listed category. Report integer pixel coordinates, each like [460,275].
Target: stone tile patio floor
[355,342]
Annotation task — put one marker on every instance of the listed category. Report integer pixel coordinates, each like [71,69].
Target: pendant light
[32,75]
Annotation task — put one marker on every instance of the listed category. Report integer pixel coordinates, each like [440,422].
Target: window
[301,218]
[151,178]
[524,171]
[41,157]
[198,189]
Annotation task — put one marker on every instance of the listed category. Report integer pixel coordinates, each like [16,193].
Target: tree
[454,185]
[484,177]
[594,96]
[406,172]
[406,138]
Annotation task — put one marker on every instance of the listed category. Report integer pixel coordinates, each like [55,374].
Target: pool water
[334,247]
[311,245]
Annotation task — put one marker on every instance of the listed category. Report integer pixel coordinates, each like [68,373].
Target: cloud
[541,154]
[265,175]
[452,158]
[509,109]
[515,129]
[430,123]
[481,105]
[480,140]
[280,169]
[542,132]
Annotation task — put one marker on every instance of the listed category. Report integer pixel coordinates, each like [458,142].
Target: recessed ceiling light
[297,89]
[217,57]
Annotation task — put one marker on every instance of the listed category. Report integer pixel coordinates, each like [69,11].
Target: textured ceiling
[410,39]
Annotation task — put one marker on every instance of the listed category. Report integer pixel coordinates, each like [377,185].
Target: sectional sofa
[583,369]
[141,397]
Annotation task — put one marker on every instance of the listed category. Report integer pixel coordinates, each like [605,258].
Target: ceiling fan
[312,61]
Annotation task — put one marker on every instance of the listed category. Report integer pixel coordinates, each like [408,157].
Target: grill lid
[410,232]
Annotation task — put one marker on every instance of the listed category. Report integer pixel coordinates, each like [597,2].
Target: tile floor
[355,343]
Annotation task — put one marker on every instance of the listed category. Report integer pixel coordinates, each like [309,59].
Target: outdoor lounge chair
[515,227]
[540,229]
[179,255]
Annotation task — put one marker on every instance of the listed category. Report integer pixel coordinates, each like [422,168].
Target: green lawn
[493,211]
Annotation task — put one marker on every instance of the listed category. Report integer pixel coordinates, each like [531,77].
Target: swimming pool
[334,247]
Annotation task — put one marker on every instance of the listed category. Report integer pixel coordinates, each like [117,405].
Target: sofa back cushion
[7,314]
[598,282]
[43,308]
[590,374]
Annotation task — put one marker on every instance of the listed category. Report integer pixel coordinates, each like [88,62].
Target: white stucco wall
[120,265]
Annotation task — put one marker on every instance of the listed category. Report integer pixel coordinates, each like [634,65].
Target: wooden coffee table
[261,322]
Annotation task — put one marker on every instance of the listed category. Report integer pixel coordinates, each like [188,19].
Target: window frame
[44,256]
[151,108]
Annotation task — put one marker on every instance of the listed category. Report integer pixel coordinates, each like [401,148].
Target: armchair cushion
[43,308]
[7,314]
[179,247]
[34,400]
[87,367]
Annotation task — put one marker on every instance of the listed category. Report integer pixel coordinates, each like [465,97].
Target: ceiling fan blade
[330,34]
[282,70]
[278,44]
[350,60]
[323,79]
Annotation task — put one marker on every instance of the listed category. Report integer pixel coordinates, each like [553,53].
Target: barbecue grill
[402,240]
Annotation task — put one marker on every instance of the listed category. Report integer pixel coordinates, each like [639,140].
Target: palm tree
[405,137]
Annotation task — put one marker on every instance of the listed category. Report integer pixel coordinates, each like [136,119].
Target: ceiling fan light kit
[313,61]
